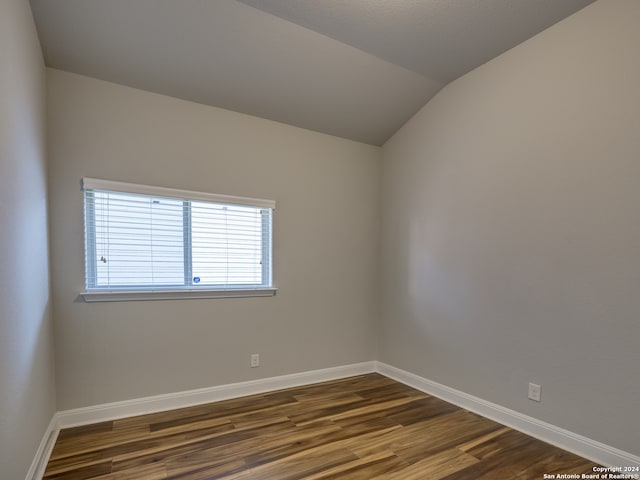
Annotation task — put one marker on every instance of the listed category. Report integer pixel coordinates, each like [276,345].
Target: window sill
[168,294]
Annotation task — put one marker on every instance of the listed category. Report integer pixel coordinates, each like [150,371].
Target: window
[145,242]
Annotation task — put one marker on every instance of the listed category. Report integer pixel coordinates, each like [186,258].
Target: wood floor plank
[212,471]
[340,471]
[440,465]
[299,465]
[231,442]
[560,462]
[383,463]
[367,427]
[82,472]
[155,471]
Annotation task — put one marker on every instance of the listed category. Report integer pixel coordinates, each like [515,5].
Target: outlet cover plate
[534,392]
[254,360]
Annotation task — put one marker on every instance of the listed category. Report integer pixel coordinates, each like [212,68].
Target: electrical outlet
[255,360]
[534,392]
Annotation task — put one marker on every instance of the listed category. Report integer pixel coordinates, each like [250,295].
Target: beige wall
[27,397]
[324,256]
[512,229]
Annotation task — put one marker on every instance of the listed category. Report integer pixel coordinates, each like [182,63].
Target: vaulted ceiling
[358,69]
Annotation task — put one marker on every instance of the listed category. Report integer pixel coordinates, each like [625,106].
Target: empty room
[319,239]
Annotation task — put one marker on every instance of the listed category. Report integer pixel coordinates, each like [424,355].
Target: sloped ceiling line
[357,69]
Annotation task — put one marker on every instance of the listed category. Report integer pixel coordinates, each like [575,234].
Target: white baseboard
[159,403]
[39,463]
[572,442]
[170,401]
[583,446]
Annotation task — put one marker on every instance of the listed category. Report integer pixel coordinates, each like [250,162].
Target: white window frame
[99,294]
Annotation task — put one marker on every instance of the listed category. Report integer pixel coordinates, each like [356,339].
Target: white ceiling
[357,69]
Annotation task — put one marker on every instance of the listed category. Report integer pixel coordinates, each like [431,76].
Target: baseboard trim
[572,442]
[578,444]
[41,458]
[159,403]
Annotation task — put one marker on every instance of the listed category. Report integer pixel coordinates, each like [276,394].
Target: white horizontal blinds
[136,240]
[227,245]
[139,240]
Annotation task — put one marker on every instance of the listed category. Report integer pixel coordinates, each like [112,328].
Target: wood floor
[366,427]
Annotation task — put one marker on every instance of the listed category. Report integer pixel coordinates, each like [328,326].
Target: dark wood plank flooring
[366,427]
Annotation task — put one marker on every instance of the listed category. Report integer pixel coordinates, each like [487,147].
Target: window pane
[139,240]
[226,244]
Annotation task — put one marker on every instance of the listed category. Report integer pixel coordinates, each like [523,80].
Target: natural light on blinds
[137,241]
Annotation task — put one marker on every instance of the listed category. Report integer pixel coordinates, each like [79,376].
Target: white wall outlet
[255,360]
[534,392]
